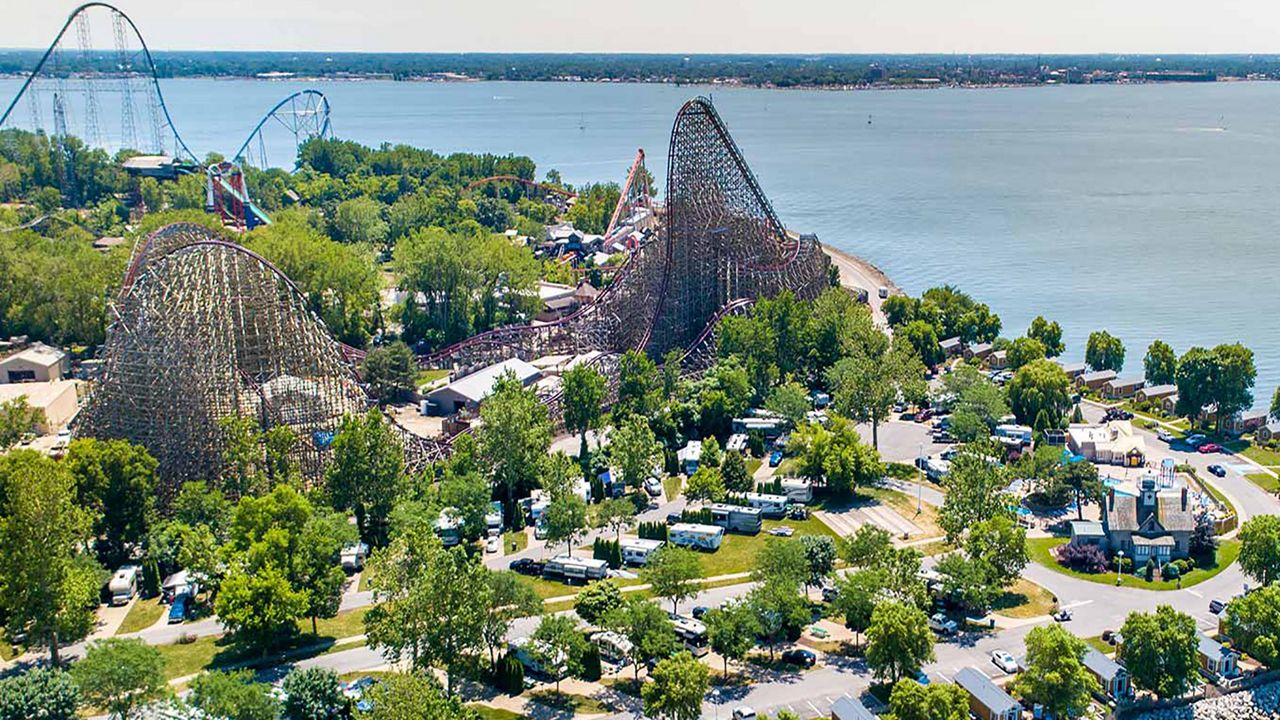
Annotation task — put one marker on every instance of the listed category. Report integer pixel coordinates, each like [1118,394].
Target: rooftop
[39,354]
[38,394]
[850,708]
[1101,665]
[984,691]
[477,386]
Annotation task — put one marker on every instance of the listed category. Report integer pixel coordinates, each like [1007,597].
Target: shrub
[591,664]
[1170,571]
[1083,558]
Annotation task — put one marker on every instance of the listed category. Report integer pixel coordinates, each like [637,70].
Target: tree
[711,453]
[557,643]
[1260,548]
[413,696]
[233,694]
[676,688]
[635,450]
[1082,478]
[835,455]
[597,600]
[865,386]
[1056,676]
[390,371]
[617,514]
[975,492]
[638,385]
[779,609]
[731,631]
[583,393]
[1195,377]
[47,585]
[17,418]
[706,483]
[1001,546]
[1253,624]
[672,573]
[467,495]
[259,606]
[43,693]
[782,562]
[820,558]
[116,481]
[1233,386]
[1160,365]
[359,220]
[923,338]
[1024,350]
[313,694]
[365,474]
[565,518]
[898,641]
[857,595]
[1275,405]
[1104,351]
[977,402]
[969,581]
[119,675]
[734,473]
[866,546]
[647,628]
[509,597]
[790,400]
[514,437]
[1041,386]
[910,700]
[1161,651]
[1049,334]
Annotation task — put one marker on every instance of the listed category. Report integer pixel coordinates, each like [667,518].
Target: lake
[1145,210]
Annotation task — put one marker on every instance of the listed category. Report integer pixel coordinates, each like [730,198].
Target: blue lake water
[1146,210]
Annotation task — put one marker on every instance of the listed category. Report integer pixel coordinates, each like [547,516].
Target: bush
[510,678]
[701,517]
[591,664]
[1170,571]
[1083,558]
[1126,565]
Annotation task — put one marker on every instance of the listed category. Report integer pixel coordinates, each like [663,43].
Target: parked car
[1209,447]
[742,712]
[673,518]
[942,436]
[1216,606]
[798,512]
[527,566]
[178,610]
[540,532]
[653,486]
[1165,436]
[775,458]
[1062,615]
[830,593]
[922,678]
[803,658]
[1218,470]
[924,415]
[1004,661]
[699,611]
[783,531]
[492,543]
[1195,440]
[942,625]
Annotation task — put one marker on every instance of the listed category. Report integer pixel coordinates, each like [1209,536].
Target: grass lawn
[521,539]
[753,464]
[1264,481]
[345,624]
[570,702]
[1261,455]
[905,505]
[671,486]
[1040,550]
[1099,644]
[427,376]
[738,552]
[788,467]
[936,547]
[142,615]
[1025,599]
[492,713]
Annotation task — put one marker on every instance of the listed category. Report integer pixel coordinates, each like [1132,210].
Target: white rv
[702,537]
[636,551]
[526,651]
[692,633]
[770,506]
[124,584]
[576,568]
[797,490]
[613,646]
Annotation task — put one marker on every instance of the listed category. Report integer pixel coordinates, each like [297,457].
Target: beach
[857,273]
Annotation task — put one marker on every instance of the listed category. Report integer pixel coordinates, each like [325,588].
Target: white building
[469,391]
[38,363]
[1112,443]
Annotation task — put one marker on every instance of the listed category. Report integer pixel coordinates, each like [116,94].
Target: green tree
[676,688]
[47,585]
[557,643]
[977,402]
[120,675]
[673,574]
[1082,478]
[638,385]
[1024,350]
[42,693]
[583,389]
[857,595]
[779,609]
[969,581]
[711,453]
[467,497]
[233,694]
[1233,386]
[1104,351]
[867,546]
[1252,623]
[366,473]
[734,473]
[648,629]
[1001,546]
[1195,377]
[116,481]
[635,450]
[783,562]
[705,484]
[17,418]
[514,437]
[597,600]
[359,220]
[898,641]
[975,492]
[1161,651]
[1260,548]
[923,338]
[1049,334]
[1041,386]
[1160,365]
[1056,677]
[789,400]
[866,385]
[617,514]
[910,700]
[413,696]
[836,456]
[390,371]
[820,558]
[1275,405]
[259,606]
[508,597]
[313,694]
[731,631]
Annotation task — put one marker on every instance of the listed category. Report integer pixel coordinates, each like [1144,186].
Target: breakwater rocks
[1260,703]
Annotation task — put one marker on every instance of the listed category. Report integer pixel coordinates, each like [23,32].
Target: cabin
[1073,370]
[1112,676]
[1245,421]
[1155,393]
[1217,662]
[1095,380]
[979,351]
[1268,432]
[1121,388]
[998,360]
[987,700]
[952,346]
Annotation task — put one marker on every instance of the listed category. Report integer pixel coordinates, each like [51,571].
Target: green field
[142,615]
[492,713]
[1261,455]
[738,552]
[1040,550]
[1025,599]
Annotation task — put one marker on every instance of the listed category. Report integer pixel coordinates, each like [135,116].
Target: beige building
[1113,443]
[57,400]
[38,363]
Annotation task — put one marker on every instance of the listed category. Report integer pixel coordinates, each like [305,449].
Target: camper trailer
[735,518]
[569,567]
[636,551]
[770,506]
[525,650]
[797,490]
[693,535]
[124,584]
[613,646]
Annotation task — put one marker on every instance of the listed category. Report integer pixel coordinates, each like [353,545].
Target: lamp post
[919,480]
[1119,565]
[715,700]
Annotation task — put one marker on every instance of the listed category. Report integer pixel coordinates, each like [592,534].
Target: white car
[1165,436]
[1004,661]
[653,486]
[491,545]
[742,712]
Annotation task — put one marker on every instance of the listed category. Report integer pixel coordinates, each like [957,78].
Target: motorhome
[1021,434]
[493,518]
[694,535]
[569,567]
[613,646]
[124,584]
[692,633]
[797,490]
[770,506]
[352,557]
[528,652]
[636,551]
[448,527]
[735,518]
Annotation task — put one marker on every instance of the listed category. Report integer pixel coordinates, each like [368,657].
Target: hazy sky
[790,26]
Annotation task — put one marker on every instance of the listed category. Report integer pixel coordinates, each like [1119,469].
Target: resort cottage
[951,346]
[1155,524]
[1095,380]
[1112,443]
[1073,370]
[1155,393]
[986,699]
[1246,421]
[1217,662]
[1120,388]
[1111,675]
[1268,432]
[977,352]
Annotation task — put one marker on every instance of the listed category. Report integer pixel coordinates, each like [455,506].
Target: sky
[682,26]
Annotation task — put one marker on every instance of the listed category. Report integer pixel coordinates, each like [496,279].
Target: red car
[1207,448]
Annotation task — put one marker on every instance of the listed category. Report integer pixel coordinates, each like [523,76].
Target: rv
[448,527]
[526,651]
[692,633]
[735,518]
[493,518]
[636,551]
[124,584]
[770,506]
[701,537]
[569,567]
[352,557]
[613,646]
[1020,434]
[797,490]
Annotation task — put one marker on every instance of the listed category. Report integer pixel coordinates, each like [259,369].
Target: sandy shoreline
[860,267]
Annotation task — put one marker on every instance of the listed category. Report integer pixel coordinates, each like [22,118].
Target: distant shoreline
[863,266]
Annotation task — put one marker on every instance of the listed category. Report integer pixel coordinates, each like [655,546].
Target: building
[849,707]
[1217,662]
[1122,387]
[105,244]
[37,363]
[1268,432]
[1073,370]
[1095,380]
[978,351]
[1155,523]
[1111,675]
[1088,532]
[987,700]
[1169,404]
[1246,421]
[1112,443]
[57,400]
[1155,393]
[467,392]
[951,346]
[998,360]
